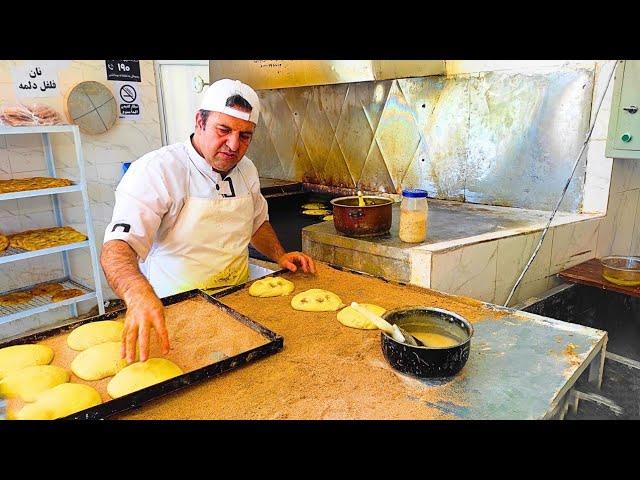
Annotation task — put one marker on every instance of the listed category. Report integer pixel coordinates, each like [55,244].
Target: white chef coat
[151,194]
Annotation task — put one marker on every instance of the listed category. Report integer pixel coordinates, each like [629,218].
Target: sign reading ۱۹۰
[123,70]
[36,79]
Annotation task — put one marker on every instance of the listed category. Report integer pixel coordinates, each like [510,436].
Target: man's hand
[292,260]
[144,311]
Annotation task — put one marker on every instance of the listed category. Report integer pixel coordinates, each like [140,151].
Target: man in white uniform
[185,215]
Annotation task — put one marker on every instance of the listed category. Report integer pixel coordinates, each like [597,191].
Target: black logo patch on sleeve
[125,227]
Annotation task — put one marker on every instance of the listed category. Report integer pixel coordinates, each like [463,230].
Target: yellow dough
[140,375]
[316,300]
[100,361]
[271,287]
[20,356]
[60,401]
[28,382]
[313,206]
[95,333]
[350,318]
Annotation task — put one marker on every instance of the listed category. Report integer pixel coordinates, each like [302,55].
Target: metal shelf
[42,303]
[13,254]
[39,192]
[37,129]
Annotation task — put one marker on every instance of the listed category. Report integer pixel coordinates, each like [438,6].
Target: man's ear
[199,121]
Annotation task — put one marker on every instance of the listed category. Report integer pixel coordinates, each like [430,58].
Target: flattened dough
[20,356]
[60,401]
[317,300]
[95,333]
[140,375]
[350,318]
[271,287]
[100,361]
[27,383]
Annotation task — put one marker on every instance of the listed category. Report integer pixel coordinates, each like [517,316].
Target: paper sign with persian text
[36,79]
[128,98]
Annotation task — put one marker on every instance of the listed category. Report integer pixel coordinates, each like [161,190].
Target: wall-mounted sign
[129,100]
[123,70]
[34,79]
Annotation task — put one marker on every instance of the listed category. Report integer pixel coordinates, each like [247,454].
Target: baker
[185,214]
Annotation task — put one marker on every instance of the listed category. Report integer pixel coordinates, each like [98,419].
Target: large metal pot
[371,220]
[428,361]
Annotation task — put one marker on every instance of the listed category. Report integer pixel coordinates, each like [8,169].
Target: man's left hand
[292,260]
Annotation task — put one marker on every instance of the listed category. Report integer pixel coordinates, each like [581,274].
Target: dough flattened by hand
[27,383]
[350,318]
[317,300]
[95,333]
[140,375]
[60,401]
[17,357]
[271,287]
[100,361]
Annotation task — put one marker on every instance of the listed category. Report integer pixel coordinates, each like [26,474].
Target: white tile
[26,159]
[597,179]
[5,166]
[624,175]
[37,220]
[420,268]
[530,290]
[8,209]
[35,205]
[616,230]
[573,244]
[469,271]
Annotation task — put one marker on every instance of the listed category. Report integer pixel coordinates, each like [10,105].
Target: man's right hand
[144,311]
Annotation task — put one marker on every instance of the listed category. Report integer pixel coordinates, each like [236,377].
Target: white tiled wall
[22,156]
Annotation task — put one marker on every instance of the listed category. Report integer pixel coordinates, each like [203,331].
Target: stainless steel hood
[269,74]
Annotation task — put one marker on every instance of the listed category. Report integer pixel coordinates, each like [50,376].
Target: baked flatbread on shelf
[45,238]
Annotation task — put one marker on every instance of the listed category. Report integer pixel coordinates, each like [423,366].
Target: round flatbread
[60,401]
[316,300]
[316,213]
[17,357]
[271,287]
[27,383]
[66,294]
[95,333]
[4,243]
[16,298]
[314,206]
[350,318]
[141,375]
[46,289]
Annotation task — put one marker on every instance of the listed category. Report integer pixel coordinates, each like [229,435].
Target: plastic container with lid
[414,215]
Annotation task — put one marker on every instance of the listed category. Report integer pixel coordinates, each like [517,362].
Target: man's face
[224,139]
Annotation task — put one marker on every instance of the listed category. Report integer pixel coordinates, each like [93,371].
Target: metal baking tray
[138,398]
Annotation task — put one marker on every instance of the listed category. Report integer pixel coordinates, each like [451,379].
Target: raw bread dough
[271,287]
[15,298]
[316,300]
[27,383]
[66,294]
[140,375]
[94,333]
[60,401]
[350,318]
[20,356]
[99,361]
[46,289]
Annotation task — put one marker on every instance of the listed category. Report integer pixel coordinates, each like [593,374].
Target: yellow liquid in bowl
[435,339]
[618,281]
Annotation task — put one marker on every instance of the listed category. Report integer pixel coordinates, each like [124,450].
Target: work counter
[521,366]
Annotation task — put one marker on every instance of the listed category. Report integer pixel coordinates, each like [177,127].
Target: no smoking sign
[128,100]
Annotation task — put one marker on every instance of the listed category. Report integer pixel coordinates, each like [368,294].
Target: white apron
[206,248]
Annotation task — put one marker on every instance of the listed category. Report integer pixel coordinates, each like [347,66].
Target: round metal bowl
[621,270]
[369,221]
[427,361]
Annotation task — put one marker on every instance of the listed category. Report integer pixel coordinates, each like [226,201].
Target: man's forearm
[120,264]
[266,242]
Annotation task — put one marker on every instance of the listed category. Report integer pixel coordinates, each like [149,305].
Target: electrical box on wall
[623,139]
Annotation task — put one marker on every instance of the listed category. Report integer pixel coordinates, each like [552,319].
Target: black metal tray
[138,398]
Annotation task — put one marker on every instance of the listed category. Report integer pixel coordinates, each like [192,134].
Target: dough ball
[271,287]
[100,361]
[140,375]
[28,382]
[317,300]
[20,356]
[94,333]
[350,318]
[60,401]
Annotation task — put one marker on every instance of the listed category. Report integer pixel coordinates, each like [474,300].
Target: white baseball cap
[216,96]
